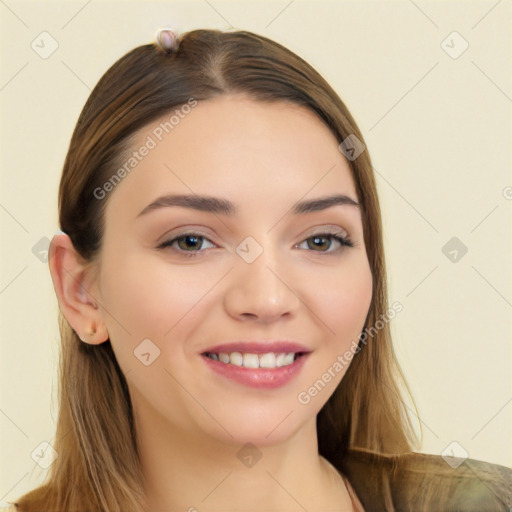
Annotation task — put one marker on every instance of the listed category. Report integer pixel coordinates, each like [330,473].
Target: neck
[189,471]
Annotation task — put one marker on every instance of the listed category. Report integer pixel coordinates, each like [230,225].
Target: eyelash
[344,241]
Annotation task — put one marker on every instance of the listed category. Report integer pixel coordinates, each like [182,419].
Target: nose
[261,291]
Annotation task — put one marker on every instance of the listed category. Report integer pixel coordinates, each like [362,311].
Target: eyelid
[330,229]
[182,231]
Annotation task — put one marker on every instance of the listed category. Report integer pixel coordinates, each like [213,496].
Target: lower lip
[260,378]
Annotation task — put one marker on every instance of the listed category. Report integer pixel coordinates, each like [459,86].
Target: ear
[76,290]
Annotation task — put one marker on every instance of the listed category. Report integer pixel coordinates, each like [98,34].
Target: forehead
[236,147]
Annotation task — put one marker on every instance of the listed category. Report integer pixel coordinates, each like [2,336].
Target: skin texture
[190,421]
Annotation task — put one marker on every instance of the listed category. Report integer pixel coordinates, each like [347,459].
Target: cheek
[148,299]
[344,301]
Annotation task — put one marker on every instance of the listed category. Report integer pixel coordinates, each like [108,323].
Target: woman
[224,314]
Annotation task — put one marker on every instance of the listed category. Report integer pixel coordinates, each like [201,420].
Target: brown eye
[189,244]
[323,241]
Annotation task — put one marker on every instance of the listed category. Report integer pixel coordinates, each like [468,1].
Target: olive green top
[417,482]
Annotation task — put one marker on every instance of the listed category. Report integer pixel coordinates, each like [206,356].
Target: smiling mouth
[251,360]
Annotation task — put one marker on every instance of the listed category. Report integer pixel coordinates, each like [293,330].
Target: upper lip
[258,347]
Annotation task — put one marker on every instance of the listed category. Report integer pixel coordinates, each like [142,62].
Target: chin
[266,428]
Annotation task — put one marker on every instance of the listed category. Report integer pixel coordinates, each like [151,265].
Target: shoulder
[411,480]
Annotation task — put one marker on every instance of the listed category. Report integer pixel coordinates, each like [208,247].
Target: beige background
[438,129]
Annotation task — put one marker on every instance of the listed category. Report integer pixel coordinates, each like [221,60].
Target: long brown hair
[97,467]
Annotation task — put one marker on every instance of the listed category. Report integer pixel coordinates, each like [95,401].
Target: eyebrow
[223,206]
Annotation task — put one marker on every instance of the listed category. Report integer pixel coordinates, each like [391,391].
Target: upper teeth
[269,360]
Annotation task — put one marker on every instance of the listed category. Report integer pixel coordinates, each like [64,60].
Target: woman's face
[260,273]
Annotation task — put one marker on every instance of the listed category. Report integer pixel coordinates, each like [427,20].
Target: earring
[91,331]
